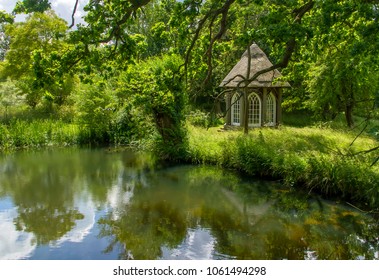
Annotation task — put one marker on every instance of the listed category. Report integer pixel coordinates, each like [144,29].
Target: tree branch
[213,15]
[73,14]
[115,30]
[290,45]
[223,25]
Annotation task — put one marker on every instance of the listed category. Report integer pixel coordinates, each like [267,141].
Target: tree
[153,23]
[342,73]
[157,86]
[30,6]
[340,82]
[290,31]
[10,95]
[41,35]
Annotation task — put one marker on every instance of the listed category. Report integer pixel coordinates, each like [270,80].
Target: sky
[63,8]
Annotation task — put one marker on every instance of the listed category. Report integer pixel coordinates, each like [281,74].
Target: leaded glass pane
[254,110]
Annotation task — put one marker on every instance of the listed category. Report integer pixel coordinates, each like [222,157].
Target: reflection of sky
[14,244]
[198,245]
[20,245]
[82,227]
[117,198]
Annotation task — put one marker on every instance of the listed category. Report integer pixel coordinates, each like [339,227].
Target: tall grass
[316,159]
[38,133]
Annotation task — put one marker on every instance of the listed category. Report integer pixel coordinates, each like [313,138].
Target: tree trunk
[246,113]
[349,114]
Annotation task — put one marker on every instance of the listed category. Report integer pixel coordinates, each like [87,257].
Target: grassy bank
[316,159]
[38,133]
[34,128]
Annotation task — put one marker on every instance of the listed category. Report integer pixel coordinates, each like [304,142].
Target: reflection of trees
[46,222]
[247,221]
[174,201]
[151,210]
[143,229]
[43,195]
[339,233]
[141,226]
[45,184]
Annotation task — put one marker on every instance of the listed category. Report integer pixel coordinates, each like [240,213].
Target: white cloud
[83,227]
[14,244]
[63,8]
[198,245]
[8,5]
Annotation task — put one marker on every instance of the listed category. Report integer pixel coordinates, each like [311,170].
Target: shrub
[95,110]
[198,118]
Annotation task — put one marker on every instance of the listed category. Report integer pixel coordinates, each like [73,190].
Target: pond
[107,204]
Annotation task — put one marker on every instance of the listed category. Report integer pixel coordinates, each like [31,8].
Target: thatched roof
[259,61]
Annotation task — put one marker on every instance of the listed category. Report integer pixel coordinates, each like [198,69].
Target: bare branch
[367,151]
[374,162]
[366,121]
[73,15]
[290,48]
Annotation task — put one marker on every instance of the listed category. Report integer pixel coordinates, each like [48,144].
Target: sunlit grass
[37,133]
[325,160]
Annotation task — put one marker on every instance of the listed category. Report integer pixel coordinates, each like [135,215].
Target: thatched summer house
[264,94]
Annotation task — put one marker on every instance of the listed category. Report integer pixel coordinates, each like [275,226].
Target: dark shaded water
[97,204]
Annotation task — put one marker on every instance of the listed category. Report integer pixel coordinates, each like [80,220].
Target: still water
[100,204]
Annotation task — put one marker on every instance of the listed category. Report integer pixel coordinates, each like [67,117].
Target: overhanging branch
[73,14]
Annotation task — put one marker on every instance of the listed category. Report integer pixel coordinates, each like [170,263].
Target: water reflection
[14,244]
[99,204]
[199,244]
[83,227]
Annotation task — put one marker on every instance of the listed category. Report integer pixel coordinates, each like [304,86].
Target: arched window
[271,110]
[254,110]
[236,109]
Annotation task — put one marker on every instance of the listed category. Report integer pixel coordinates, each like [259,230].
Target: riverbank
[319,160]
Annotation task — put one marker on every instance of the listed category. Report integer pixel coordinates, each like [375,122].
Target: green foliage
[130,125]
[345,78]
[198,118]
[95,109]
[157,87]
[337,61]
[5,17]
[312,159]
[30,6]
[37,133]
[30,43]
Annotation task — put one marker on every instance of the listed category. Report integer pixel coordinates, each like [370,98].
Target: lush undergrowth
[38,133]
[24,127]
[317,159]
